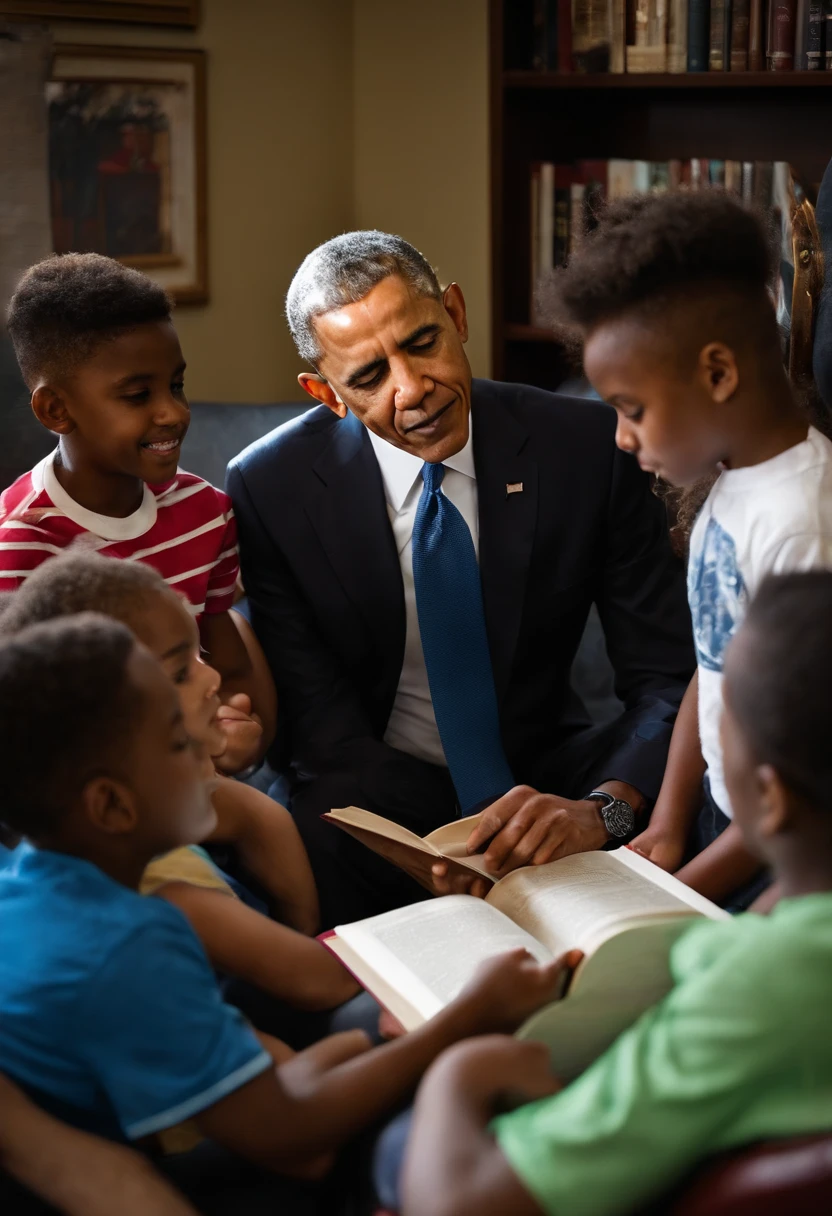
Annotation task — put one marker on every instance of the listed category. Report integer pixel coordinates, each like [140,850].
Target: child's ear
[322,391]
[49,408]
[775,803]
[109,806]
[718,371]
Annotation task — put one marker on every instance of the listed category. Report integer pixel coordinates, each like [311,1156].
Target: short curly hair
[651,248]
[83,582]
[68,707]
[67,305]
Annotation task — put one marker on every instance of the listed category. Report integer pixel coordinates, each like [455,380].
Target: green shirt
[740,1050]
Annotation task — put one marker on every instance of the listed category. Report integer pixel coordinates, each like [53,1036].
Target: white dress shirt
[412,727]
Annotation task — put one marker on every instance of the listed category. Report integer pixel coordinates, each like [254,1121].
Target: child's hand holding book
[508,989]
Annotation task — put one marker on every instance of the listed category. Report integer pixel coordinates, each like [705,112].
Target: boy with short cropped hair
[671,298]
[109,1012]
[739,1051]
[100,356]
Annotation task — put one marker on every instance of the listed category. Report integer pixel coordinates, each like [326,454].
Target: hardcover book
[623,912]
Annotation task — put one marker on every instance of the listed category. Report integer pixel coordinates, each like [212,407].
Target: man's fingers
[496,816]
[527,835]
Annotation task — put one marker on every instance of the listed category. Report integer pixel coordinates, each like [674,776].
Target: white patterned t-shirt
[768,518]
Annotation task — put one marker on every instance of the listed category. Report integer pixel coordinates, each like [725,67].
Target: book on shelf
[756,36]
[623,912]
[677,36]
[699,35]
[602,36]
[565,199]
[740,22]
[646,36]
[592,35]
[781,35]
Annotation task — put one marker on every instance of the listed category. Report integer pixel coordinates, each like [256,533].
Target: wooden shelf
[528,333]
[667,80]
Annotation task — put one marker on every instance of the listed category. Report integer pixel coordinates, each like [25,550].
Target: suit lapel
[507,520]
[348,512]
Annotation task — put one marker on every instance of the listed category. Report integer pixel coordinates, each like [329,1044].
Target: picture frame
[183,13]
[127,160]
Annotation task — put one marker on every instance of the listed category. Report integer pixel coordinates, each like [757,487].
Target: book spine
[560,220]
[814,37]
[748,181]
[801,30]
[699,34]
[539,36]
[716,54]
[762,186]
[551,35]
[780,51]
[827,39]
[677,36]
[740,21]
[564,15]
[726,35]
[756,41]
[534,221]
[618,39]
[547,218]
[577,222]
[591,35]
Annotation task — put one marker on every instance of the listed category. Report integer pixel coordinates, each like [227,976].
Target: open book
[411,853]
[620,909]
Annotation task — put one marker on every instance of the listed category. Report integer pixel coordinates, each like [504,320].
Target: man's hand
[496,1071]
[662,848]
[529,828]
[457,880]
[508,989]
[243,732]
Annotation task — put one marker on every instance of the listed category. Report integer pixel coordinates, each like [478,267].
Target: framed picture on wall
[127,160]
[137,12]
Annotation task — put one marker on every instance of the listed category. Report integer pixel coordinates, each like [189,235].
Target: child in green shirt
[739,1051]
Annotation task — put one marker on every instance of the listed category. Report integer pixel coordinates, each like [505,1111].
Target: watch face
[619,818]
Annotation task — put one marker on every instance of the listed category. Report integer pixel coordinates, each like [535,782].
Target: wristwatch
[618,816]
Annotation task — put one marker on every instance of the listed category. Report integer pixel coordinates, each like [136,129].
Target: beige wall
[273,130]
[325,115]
[421,139]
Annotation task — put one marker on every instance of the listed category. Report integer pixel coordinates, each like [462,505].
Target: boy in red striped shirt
[99,353]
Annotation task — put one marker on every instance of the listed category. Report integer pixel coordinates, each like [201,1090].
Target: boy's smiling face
[123,411]
[170,633]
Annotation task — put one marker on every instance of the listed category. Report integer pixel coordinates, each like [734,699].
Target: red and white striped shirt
[184,528]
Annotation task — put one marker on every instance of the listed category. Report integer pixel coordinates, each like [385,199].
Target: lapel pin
[514,487]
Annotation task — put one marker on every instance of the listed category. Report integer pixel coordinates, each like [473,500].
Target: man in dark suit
[420,555]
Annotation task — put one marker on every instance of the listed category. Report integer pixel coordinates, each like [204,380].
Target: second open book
[622,911]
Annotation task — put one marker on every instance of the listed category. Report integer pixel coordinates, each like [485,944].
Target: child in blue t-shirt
[110,1015]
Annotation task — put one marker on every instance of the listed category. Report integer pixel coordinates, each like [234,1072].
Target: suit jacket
[324,583]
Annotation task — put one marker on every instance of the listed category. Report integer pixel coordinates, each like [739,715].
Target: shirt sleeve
[164,1045]
[222,581]
[656,1102]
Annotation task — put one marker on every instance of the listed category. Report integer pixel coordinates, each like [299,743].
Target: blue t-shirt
[110,1015]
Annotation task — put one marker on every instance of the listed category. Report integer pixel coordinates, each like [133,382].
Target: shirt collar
[400,469]
[106,526]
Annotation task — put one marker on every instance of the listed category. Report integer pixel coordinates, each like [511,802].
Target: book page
[366,820]
[450,840]
[430,951]
[578,901]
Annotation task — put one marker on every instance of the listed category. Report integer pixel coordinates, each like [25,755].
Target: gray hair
[343,271]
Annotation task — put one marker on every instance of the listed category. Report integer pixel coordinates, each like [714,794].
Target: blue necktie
[455,646]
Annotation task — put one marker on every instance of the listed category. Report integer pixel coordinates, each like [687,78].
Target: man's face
[666,419]
[396,360]
[127,405]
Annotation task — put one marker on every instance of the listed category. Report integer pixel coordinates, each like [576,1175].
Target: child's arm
[77,1173]
[247,691]
[453,1164]
[289,1128]
[722,868]
[246,944]
[269,844]
[680,797]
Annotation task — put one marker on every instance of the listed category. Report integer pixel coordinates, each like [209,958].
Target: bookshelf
[546,116]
